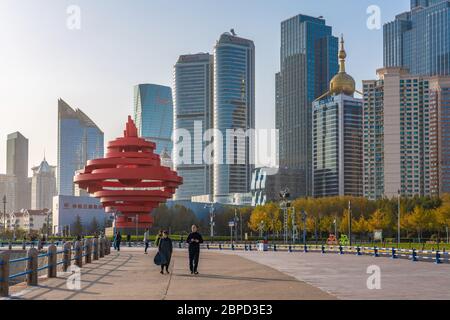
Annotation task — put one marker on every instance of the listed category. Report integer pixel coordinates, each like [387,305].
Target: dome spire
[342,82]
[342,55]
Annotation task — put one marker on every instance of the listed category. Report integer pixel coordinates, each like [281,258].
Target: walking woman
[117,241]
[165,251]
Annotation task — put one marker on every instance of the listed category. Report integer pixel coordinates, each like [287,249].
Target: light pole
[261,228]
[137,226]
[4,212]
[212,215]
[350,222]
[304,215]
[398,218]
[285,204]
[236,219]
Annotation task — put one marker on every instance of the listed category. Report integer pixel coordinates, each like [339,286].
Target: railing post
[78,254]
[52,258]
[323,249]
[67,256]
[95,255]
[4,274]
[102,248]
[10,245]
[375,252]
[24,245]
[220,246]
[438,257]
[358,251]
[341,250]
[305,248]
[88,258]
[39,245]
[414,255]
[32,265]
[249,247]
[274,247]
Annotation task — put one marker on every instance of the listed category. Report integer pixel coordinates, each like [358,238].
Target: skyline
[95,70]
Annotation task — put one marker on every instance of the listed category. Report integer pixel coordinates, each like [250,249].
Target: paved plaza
[238,275]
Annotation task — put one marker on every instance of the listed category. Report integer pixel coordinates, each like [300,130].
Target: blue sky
[123,43]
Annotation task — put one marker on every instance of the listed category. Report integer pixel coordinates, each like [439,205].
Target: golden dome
[342,82]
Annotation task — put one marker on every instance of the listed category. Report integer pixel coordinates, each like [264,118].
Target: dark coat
[165,250]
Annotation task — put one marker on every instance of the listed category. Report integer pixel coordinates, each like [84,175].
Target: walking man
[194,240]
[146,239]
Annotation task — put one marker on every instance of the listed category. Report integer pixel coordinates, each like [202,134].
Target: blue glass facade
[193,105]
[419,40]
[153,115]
[234,108]
[79,140]
[309,60]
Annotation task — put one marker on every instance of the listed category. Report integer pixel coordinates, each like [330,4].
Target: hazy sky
[123,43]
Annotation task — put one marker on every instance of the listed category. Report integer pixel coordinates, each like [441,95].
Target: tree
[422,219]
[379,220]
[77,226]
[94,226]
[361,226]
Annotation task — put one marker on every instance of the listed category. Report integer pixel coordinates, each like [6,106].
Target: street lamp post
[211,219]
[350,222]
[304,215]
[137,226]
[398,219]
[261,228]
[4,213]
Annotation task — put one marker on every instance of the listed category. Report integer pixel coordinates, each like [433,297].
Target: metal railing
[436,256]
[88,249]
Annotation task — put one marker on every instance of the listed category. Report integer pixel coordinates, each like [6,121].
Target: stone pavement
[345,276]
[131,275]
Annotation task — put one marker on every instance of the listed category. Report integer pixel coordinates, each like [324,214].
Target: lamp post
[304,216]
[398,218]
[212,215]
[350,222]
[261,228]
[4,213]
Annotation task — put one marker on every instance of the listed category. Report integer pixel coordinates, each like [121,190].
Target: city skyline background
[123,44]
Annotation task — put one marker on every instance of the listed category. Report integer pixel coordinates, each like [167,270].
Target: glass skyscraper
[419,40]
[79,140]
[309,54]
[17,166]
[153,114]
[337,147]
[193,106]
[234,108]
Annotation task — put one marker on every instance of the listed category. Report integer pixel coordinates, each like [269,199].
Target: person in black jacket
[165,251]
[194,240]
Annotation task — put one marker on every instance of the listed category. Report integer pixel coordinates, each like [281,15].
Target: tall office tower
[337,138]
[405,134]
[234,109]
[17,165]
[8,185]
[308,62]
[419,40]
[79,140]
[440,134]
[193,112]
[43,186]
[153,114]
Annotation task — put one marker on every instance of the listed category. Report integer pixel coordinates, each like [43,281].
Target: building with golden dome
[337,137]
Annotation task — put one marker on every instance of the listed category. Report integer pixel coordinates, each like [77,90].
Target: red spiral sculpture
[129,180]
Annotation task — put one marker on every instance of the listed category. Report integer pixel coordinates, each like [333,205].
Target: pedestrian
[158,237]
[194,240]
[165,249]
[129,240]
[118,241]
[146,240]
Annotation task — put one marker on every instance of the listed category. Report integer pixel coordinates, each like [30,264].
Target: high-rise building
[43,186]
[308,62]
[153,114]
[79,140]
[405,134]
[17,165]
[234,110]
[193,112]
[419,40]
[8,185]
[337,147]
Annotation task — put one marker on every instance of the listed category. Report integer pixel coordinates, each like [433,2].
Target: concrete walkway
[346,276]
[131,275]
